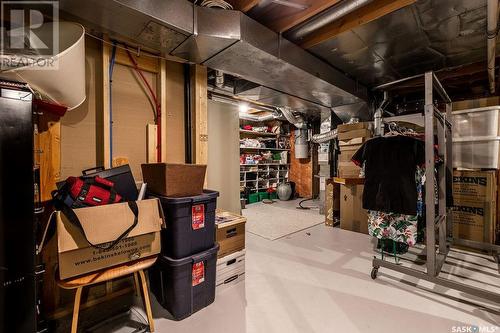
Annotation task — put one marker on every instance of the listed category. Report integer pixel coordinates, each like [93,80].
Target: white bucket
[65,83]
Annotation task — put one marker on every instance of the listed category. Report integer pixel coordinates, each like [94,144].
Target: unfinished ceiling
[402,39]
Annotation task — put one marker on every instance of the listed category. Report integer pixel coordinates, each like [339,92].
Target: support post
[199,114]
[429,176]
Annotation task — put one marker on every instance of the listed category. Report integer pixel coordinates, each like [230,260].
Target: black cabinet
[17,239]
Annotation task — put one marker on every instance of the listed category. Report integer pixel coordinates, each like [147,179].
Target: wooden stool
[136,267]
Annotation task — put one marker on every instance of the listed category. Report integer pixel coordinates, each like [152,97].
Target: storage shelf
[277,172]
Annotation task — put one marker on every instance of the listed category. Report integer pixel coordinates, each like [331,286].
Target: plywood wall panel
[132,112]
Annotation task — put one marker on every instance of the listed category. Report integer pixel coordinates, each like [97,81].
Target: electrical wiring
[157,106]
[310,207]
[138,49]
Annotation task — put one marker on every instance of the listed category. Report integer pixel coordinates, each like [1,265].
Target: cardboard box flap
[106,223]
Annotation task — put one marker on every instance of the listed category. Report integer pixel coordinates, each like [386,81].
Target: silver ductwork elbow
[297,121]
[324,137]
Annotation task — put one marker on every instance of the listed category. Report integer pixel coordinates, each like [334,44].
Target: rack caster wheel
[374,273]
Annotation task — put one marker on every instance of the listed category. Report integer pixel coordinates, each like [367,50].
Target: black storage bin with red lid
[190,224]
[184,286]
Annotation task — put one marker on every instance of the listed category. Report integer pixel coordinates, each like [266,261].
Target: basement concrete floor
[318,280]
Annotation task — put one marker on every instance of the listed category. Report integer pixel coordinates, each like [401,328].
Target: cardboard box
[352,142]
[352,215]
[348,170]
[104,224]
[474,221]
[230,270]
[174,180]
[230,233]
[346,155]
[475,186]
[332,202]
[360,133]
[352,127]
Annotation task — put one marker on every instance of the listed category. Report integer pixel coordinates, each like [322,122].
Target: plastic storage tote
[263,195]
[253,198]
[184,286]
[476,136]
[190,224]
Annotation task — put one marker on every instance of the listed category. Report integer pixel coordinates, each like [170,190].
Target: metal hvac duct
[225,40]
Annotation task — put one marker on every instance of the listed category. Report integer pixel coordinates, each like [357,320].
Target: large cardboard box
[332,202]
[475,196]
[352,127]
[230,233]
[352,215]
[102,225]
[352,142]
[474,185]
[474,220]
[174,180]
[346,155]
[360,133]
[348,170]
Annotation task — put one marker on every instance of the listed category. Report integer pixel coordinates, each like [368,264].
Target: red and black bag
[78,192]
[91,191]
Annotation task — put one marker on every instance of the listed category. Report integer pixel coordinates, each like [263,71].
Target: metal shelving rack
[270,174]
[439,232]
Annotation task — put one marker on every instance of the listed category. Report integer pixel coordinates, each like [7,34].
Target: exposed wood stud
[200,122]
[162,96]
[106,52]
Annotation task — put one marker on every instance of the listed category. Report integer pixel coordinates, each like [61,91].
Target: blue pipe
[111,66]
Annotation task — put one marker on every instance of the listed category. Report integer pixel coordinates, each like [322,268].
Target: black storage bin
[190,224]
[179,285]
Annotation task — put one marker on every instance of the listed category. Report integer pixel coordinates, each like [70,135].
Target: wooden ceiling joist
[368,13]
[288,22]
[244,5]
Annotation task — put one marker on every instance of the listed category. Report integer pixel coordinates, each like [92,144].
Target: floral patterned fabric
[399,227]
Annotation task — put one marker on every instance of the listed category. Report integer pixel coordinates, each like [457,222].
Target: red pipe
[156,103]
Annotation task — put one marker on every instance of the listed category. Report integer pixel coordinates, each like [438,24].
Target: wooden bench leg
[147,303]
[137,285]
[76,310]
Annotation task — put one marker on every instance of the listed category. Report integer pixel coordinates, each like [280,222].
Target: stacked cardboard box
[352,215]
[332,202]
[475,205]
[231,257]
[351,138]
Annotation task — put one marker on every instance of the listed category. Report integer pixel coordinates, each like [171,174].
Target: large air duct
[224,40]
